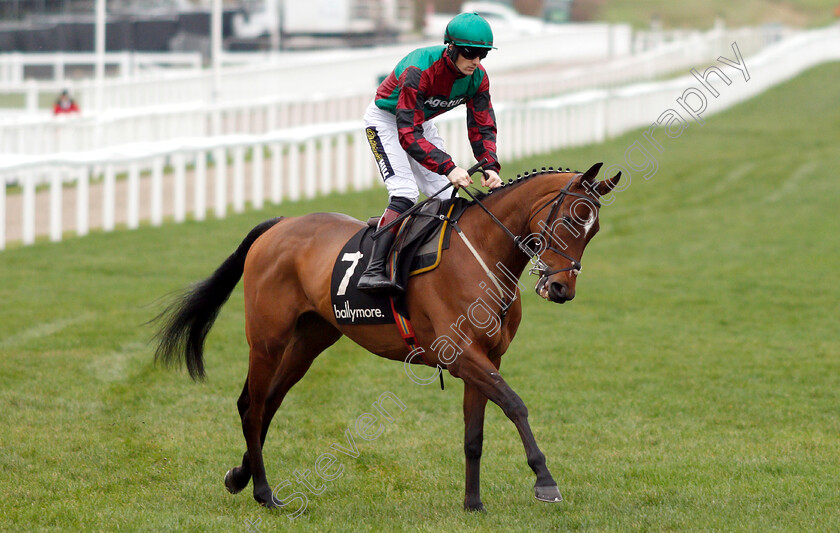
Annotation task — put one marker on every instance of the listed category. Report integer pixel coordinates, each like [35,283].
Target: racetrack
[691,385]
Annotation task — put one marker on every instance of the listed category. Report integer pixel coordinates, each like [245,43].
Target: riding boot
[374,277]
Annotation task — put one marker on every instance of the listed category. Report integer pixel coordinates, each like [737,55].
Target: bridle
[540,268]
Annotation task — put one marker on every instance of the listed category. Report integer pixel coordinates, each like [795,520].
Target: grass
[18,100]
[693,384]
[800,13]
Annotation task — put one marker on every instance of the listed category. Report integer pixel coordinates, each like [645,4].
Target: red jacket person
[65,104]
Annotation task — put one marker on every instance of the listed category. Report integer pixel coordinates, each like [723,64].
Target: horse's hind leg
[312,336]
[237,478]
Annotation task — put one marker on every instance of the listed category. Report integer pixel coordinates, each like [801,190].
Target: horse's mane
[511,183]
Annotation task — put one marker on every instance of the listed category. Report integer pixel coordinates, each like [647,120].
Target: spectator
[65,104]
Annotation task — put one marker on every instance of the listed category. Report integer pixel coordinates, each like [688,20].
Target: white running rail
[45,134]
[319,159]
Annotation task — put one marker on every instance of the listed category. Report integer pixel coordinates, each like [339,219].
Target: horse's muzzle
[560,293]
[554,291]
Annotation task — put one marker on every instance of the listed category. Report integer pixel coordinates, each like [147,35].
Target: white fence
[319,159]
[35,135]
[298,74]
[327,103]
[121,65]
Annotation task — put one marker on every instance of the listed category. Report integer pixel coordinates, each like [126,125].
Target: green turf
[16,100]
[798,13]
[693,384]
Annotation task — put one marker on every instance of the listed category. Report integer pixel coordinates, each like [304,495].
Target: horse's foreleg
[477,370]
[474,404]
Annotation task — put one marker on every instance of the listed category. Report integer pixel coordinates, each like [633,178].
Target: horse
[546,218]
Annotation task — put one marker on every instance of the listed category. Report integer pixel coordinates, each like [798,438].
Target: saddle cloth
[417,250]
[350,305]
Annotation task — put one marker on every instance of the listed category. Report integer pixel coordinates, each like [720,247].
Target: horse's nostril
[558,291]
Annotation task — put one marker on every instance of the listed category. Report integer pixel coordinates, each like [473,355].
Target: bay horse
[546,218]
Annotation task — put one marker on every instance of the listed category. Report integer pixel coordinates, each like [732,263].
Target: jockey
[405,142]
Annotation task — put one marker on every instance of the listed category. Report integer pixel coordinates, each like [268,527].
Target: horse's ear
[607,185]
[590,174]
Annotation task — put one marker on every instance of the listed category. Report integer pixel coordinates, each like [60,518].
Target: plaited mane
[519,179]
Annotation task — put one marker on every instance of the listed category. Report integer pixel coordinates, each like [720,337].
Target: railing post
[284,118]
[55,205]
[58,68]
[517,133]
[271,119]
[16,68]
[294,172]
[157,191]
[108,194]
[342,163]
[28,236]
[310,185]
[246,120]
[528,131]
[200,207]
[179,162]
[258,176]
[239,179]
[83,201]
[308,113]
[220,200]
[325,174]
[295,114]
[133,211]
[126,65]
[600,120]
[276,173]
[31,96]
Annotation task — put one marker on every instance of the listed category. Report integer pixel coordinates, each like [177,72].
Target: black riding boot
[374,277]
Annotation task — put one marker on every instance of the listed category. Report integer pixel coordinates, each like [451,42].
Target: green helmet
[469,29]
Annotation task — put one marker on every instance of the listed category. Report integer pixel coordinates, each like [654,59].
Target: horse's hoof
[475,507]
[548,494]
[230,485]
[271,504]
[268,502]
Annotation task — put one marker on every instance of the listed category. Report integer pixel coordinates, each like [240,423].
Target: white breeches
[402,174]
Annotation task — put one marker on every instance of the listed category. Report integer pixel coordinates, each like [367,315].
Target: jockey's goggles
[471,53]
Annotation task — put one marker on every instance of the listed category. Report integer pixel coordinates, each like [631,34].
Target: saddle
[422,237]
[418,249]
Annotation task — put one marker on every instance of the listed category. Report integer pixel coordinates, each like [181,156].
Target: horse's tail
[188,319]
